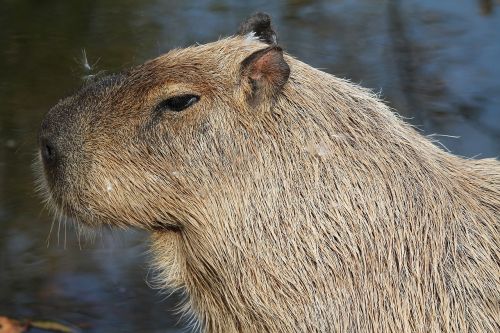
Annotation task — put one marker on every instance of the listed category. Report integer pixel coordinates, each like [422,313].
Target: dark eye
[177,103]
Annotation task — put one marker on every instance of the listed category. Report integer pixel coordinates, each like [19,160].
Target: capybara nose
[49,152]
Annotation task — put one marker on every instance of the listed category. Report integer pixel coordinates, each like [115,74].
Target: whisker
[78,231]
[50,231]
[58,227]
[65,223]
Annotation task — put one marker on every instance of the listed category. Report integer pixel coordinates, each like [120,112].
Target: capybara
[280,198]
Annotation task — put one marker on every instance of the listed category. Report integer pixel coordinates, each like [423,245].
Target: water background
[435,62]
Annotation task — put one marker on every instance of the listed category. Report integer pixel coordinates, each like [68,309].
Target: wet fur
[315,210]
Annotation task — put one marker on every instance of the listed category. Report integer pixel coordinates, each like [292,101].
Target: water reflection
[435,62]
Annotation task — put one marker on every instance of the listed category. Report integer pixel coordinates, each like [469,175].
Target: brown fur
[313,208]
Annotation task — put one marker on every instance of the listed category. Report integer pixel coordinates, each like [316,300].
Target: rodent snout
[51,151]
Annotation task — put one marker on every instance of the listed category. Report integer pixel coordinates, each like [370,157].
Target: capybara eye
[177,103]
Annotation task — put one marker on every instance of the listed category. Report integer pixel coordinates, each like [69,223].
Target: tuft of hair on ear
[259,24]
[266,70]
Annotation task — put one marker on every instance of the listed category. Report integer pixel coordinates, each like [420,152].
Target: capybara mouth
[163,227]
[45,187]
[65,200]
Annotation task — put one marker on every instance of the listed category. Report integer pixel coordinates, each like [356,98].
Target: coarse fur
[303,207]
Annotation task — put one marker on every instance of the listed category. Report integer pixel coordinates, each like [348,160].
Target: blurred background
[435,62]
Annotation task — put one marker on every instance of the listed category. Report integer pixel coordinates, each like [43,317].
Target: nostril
[48,152]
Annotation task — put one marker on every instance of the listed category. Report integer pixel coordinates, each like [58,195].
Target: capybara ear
[260,25]
[266,70]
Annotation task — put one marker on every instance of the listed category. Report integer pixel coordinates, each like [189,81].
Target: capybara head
[137,147]
[280,198]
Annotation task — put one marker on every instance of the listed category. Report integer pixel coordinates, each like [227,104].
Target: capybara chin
[280,198]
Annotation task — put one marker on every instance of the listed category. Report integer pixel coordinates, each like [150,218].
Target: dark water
[436,62]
